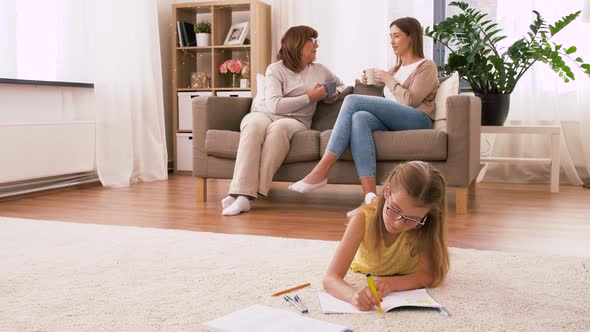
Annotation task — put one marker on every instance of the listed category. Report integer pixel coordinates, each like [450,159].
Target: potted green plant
[472,40]
[203,33]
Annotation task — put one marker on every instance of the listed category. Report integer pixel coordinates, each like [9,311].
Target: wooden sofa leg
[201,190]
[472,188]
[461,200]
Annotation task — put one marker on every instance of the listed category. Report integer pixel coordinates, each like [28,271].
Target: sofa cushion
[368,90]
[325,114]
[424,144]
[449,86]
[305,145]
[259,101]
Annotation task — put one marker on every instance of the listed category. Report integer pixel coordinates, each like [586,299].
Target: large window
[45,40]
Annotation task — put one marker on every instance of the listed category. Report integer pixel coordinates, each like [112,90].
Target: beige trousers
[265,139]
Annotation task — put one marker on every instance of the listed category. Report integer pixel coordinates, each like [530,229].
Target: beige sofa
[452,147]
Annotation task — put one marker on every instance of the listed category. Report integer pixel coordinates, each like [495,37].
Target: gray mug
[330,88]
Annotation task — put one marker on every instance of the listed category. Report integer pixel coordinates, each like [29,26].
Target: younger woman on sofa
[293,89]
[410,88]
[400,236]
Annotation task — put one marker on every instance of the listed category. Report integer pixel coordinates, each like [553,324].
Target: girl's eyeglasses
[396,214]
[314,41]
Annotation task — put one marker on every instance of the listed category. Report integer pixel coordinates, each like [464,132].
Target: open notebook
[413,298]
[260,318]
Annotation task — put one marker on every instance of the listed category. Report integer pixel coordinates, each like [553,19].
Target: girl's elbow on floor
[428,280]
[328,281]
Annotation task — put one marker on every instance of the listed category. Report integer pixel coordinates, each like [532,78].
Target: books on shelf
[186,34]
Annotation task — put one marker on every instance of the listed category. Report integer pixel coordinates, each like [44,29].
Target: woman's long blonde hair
[427,187]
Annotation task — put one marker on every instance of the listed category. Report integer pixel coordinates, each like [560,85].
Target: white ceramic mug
[370,74]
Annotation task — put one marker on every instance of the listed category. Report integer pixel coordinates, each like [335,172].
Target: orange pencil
[291,289]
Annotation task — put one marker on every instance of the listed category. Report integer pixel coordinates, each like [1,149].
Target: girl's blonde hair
[426,186]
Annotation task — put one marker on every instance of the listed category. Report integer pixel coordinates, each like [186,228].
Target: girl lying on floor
[401,236]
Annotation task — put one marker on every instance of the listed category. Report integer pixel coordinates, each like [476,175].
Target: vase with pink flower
[233,67]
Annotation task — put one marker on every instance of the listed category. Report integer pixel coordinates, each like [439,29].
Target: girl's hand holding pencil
[364,299]
[384,286]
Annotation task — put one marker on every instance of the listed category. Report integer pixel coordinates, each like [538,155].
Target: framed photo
[236,34]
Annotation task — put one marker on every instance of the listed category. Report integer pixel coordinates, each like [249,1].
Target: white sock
[368,200]
[352,213]
[303,187]
[241,204]
[227,201]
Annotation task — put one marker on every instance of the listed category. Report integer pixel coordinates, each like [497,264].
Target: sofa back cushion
[259,101]
[325,114]
[368,90]
[449,86]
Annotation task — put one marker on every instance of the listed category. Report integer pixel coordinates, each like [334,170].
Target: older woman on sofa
[293,89]
[410,89]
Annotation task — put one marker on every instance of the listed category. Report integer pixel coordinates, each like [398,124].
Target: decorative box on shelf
[234,93]
[185,108]
[184,151]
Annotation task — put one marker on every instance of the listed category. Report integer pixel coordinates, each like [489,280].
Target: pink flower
[233,66]
[223,68]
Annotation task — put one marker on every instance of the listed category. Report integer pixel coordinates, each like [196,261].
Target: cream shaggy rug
[58,276]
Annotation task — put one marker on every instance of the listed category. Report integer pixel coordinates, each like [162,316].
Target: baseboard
[28,187]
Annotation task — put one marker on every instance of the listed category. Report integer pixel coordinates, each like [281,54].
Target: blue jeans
[359,116]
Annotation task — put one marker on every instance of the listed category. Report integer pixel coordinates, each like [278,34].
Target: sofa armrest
[463,139]
[222,113]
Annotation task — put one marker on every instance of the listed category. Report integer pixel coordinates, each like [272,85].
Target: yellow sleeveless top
[393,260]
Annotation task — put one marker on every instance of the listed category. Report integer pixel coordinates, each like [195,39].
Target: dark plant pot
[494,108]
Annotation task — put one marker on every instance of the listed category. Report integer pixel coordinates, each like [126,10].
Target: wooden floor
[505,217]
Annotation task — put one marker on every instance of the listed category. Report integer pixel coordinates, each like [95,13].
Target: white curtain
[353,35]
[131,138]
[542,97]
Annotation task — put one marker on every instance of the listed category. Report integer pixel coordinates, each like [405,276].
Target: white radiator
[31,151]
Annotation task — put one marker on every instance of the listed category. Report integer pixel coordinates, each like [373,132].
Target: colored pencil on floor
[291,289]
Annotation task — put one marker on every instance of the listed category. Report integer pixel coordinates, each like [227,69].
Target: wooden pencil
[291,289]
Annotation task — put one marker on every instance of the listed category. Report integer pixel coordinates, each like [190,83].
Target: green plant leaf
[563,22]
[472,41]
[461,4]
[203,27]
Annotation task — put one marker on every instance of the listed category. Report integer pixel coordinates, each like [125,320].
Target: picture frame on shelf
[237,34]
